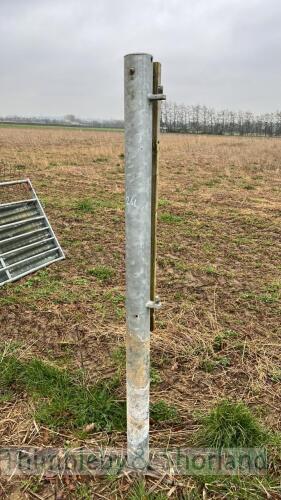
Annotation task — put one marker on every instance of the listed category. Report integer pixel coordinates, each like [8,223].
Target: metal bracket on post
[156,97]
[154,304]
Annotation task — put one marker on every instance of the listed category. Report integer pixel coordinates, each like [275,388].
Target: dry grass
[218,334]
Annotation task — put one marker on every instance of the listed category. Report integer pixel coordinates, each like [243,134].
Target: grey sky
[66,56]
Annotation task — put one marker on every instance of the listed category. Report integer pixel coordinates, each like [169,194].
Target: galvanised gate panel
[27,241]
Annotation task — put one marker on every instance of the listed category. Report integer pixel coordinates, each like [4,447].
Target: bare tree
[203,120]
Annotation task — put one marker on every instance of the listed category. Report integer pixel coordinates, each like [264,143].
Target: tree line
[179,118]
[199,119]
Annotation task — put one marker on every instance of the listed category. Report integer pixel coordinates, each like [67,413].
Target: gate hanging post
[138,86]
[156,113]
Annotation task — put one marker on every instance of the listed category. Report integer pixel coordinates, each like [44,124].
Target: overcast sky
[66,56]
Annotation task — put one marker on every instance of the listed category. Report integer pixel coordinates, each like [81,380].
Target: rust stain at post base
[138,379]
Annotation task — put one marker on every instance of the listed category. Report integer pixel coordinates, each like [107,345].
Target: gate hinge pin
[154,304]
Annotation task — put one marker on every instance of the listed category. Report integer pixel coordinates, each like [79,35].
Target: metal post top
[139,54]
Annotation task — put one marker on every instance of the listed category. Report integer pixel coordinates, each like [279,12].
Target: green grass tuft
[170,218]
[140,492]
[80,406]
[275,375]
[103,273]
[230,425]
[61,399]
[237,487]
[211,270]
[218,343]
[209,365]
[163,412]
[163,203]
[83,491]
[84,206]
[155,377]
[10,370]
[119,357]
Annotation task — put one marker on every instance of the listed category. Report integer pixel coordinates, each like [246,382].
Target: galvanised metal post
[138,164]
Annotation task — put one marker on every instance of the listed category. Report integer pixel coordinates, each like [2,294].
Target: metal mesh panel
[27,241]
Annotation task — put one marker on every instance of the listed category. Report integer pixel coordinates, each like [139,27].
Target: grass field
[217,341]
